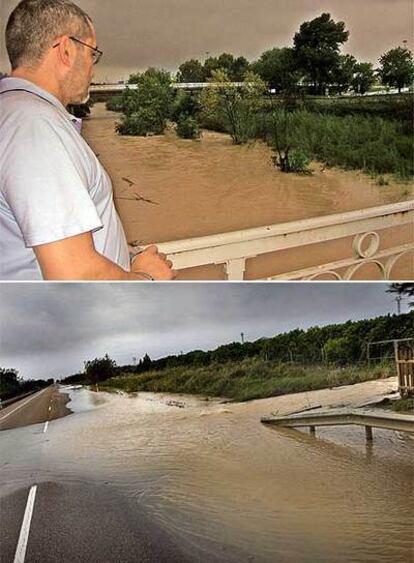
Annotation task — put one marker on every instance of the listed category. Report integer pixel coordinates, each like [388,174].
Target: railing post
[368,433]
[235,269]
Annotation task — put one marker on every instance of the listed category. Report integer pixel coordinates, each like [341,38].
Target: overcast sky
[135,34]
[49,330]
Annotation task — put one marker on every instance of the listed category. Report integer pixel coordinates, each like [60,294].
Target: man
[57,216]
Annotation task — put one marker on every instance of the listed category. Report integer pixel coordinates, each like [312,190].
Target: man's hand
[75,258]
[153,263]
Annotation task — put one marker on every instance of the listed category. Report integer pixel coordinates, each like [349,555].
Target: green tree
[343,74]
[364,78]
[10,383]
[191,71]
[234,104]
[100,369]
[317,46]
[288,146]
[235,68]
[339,350]
[397,68]
[278,68]
[239,68]
[148,107]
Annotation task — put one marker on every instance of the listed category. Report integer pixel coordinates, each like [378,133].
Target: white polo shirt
[52,186]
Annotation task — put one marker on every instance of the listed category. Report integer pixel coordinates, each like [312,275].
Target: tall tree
[234,104]
[397,68]
[225,62]
[191,71]
[278,68]
[364,78]
[343,74]
[239,68]
[317,46]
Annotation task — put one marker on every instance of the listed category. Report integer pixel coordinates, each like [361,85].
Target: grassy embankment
[251,378]
[372,135]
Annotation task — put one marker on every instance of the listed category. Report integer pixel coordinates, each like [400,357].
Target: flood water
[214,477]
[168,188]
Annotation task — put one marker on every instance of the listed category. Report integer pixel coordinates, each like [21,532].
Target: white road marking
[45,427]
[24,532]
[22,404]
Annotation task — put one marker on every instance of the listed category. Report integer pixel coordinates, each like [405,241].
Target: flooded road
[216,480]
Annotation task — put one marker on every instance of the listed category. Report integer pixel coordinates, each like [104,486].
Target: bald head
[35,24]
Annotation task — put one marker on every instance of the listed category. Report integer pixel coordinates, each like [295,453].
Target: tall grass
[372,144]
[252,378]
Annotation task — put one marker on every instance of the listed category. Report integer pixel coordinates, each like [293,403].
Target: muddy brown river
[217,480]
[168,188]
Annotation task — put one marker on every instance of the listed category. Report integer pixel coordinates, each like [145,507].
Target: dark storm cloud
[135,34]
[50,329]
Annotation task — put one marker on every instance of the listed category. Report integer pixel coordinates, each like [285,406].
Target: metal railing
[234,248]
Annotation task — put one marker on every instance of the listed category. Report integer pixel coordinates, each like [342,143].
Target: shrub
[188,128]
[233,106]
[185,103]
[100,369]
[116,103]
[143,122]
[371,144]
[148,107]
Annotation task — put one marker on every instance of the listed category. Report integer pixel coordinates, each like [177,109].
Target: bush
[148,107]
[403,405]
[371,144]
[185,103]
[100,369]
[188,128]
[116,103]
[233,106]
[143,122]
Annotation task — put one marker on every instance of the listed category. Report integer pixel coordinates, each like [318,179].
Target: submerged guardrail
[342,417]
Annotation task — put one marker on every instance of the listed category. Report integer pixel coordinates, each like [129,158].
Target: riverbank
[168,188]
[252,378]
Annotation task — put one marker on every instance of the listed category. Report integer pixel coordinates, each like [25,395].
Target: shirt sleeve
[47,182]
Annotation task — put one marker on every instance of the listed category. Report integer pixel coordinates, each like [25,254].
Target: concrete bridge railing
[361,231]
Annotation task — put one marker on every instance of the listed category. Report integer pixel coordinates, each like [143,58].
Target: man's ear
[65,51]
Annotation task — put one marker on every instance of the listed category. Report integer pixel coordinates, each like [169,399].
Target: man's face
[80,77]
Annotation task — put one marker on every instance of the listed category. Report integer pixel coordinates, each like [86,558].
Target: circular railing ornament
[351,271]
[360,241]
[393,260]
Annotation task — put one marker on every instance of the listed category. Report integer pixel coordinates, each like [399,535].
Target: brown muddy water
[168,188]
[216,479]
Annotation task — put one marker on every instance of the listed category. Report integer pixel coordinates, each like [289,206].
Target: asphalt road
[42,406]
[66,521]
[82,523]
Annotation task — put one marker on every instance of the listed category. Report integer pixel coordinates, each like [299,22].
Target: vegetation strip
[297,361]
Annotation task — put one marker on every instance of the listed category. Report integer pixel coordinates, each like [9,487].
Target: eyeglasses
[96,53]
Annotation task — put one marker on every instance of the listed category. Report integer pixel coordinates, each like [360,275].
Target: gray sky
[49,330]
[135,34]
